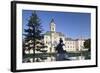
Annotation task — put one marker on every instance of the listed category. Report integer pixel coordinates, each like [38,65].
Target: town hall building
[51,40]
[52,37]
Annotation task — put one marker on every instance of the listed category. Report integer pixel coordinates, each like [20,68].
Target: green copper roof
[52,20]
[49,33]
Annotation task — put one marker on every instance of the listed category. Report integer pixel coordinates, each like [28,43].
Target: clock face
[53,28]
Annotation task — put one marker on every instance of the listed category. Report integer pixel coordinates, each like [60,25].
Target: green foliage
[34,27]
[33,34]
[87,44]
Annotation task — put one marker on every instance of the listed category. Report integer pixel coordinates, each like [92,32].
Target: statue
[59,47]
[61,53]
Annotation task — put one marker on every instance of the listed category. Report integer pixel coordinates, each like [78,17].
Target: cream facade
[51,39]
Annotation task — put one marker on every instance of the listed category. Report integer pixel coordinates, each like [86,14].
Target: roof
[49,32]
[52,20]
[60,34]
[70,39]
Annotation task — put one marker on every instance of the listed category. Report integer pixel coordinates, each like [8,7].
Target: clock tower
[52,26]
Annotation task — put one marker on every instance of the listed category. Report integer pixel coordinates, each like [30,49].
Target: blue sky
[71,24]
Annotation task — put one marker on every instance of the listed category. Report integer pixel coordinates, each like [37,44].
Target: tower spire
[52,25]
[52,21]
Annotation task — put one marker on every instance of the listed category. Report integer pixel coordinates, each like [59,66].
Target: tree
[87,44]
[33,35]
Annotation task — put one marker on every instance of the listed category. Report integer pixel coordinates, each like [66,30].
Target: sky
[71,24]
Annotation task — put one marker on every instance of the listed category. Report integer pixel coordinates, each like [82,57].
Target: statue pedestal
[61,57]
